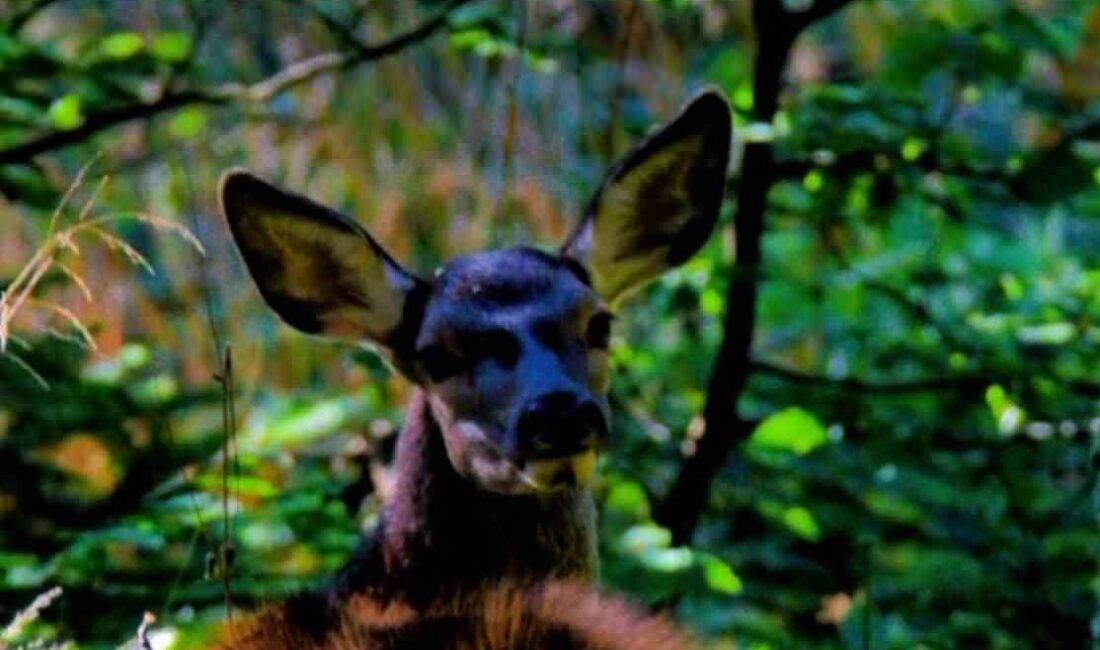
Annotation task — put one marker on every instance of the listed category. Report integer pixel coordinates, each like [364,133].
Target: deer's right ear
[319,270]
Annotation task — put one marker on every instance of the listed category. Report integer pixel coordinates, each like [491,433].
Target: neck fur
[441,534]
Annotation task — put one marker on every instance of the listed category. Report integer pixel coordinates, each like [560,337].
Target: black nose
[560,423]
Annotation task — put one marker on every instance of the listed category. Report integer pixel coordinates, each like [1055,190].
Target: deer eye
[598,333]
[500,345]
[439,362]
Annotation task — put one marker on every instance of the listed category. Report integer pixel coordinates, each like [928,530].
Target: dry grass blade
[61,240]
[26,616]
[179,229]
[28,368]
[73,187]
[76,279]
[117,243]
[72,319]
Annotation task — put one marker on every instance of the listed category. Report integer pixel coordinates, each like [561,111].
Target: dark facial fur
[505,334]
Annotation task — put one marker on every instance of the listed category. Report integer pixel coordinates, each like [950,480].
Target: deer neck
[441,534]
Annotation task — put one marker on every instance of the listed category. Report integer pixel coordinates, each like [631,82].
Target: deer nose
[560,423]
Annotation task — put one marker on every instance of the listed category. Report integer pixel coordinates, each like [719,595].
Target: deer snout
[560,423]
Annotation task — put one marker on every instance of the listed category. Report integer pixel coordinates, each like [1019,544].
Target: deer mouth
[549,474]
[477,456]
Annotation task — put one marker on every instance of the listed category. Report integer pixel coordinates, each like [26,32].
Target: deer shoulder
[555,615]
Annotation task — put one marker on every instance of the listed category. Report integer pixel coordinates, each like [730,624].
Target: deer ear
[319,270]
[659,204]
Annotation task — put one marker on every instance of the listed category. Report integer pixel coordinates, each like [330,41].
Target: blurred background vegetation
[900,319]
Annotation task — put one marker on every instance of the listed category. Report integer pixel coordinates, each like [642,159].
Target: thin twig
[258,92]
[225,378]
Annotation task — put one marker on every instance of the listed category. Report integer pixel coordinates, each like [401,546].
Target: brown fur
[557,615]
[441,535]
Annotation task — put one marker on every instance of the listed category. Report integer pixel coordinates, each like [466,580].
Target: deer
[507,351]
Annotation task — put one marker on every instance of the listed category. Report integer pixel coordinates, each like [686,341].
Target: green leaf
[644,537]
[627,497]
[307,422]
[792,429]
[470,38]
[65,113]
[667,560]
[802,523]
[710,301]
[157,389]
[122,45]
[112,370]
[719,575]
[247,485]
[814,181]
[912,148]
[171,46]
[1047,333]
[188,123]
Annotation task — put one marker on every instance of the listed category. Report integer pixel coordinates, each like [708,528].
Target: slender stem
[226,380]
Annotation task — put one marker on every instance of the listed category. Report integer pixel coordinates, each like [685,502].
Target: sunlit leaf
[638,539]
[719,574]
[802,523]
[792,429]
[188,122]
[251,486]
[667,560]
[110,370]
[627,497]
[122,45]
[1047,333]
[171,46]
[65,112]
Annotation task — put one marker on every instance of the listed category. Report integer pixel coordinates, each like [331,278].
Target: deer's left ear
[659,204]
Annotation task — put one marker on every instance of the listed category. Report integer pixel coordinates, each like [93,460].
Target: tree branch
[258,92]
[776,31]
[858,161]
[21,17]
[978,381]
[25,151]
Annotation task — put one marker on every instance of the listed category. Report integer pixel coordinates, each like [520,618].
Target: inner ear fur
[317,269]
[659,204]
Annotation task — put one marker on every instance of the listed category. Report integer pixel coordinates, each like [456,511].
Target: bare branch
[977,381]
[258,92]
[23,16]
[861,160]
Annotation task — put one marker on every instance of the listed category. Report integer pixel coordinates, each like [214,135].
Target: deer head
[510,345]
